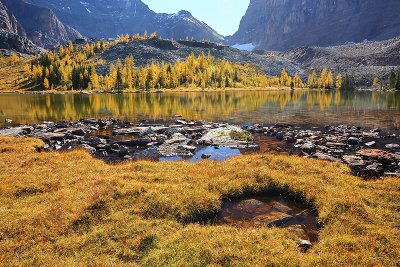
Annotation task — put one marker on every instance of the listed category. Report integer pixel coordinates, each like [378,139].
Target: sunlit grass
[70,209]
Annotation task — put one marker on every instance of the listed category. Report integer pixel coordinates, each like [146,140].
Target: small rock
[308,147]
[188,148]
[8,121]
[392,146]
[172,131]
[115,146]
[370,144]
[353,141]
[91,149]
[205,156]
[123,151]
[79,132]
[305,245]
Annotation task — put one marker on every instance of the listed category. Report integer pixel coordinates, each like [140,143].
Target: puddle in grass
[219,154]
[271,211]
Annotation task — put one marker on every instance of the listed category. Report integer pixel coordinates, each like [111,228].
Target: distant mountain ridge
[107,19]
[287,24]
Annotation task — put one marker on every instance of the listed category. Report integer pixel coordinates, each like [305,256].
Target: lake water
[368,109]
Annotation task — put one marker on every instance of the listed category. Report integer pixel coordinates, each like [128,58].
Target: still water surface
[368,109]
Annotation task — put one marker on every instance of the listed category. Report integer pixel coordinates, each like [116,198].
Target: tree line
[73,67]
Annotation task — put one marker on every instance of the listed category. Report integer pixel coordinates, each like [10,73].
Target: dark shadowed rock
[149,154]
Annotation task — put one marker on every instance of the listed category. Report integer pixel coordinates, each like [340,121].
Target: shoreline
[182,90]
[370,153]
[177,90]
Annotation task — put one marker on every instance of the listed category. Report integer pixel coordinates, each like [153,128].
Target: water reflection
[374,109]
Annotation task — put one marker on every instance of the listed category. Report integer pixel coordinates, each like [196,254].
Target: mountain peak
[185,13]
[105,19]
[281,25]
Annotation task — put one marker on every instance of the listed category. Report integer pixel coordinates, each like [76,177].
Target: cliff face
[286,24]
[109,18]
[41,24]
[9,23]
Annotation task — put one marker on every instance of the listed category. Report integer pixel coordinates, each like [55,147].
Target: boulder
[149,154]
[392,146]
[353,141]
[175,130]
[353,161]
[171,147]
[308,147]
[123,151]
[221,137]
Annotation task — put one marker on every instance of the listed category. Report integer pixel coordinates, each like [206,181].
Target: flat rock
[12,132]
[376,154]
[220,137]
[327,157]
[353,161]
[134,131]
[171,147]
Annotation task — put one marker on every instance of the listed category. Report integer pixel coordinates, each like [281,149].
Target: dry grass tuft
[71,209]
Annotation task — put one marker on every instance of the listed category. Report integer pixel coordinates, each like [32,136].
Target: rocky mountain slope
[12,35]
[41,24]
[366,60]
[11,43]
[9,23]
[105,19]
[146,51]
[286,24]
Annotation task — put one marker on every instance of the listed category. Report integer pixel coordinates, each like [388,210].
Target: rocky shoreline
[114,140]
[368,152]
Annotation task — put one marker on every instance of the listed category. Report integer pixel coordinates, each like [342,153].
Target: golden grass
[11,76]
[68,209]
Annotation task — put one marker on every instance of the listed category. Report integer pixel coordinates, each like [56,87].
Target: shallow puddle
[271,211]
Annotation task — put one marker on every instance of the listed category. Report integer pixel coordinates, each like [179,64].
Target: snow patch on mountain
[245,47]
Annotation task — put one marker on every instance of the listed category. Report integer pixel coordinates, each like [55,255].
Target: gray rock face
[105,19]
[11,43]
[366,60]
[286,24]
[9,23]
[41,24]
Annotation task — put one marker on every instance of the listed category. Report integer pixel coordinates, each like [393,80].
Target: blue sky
[222,15]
